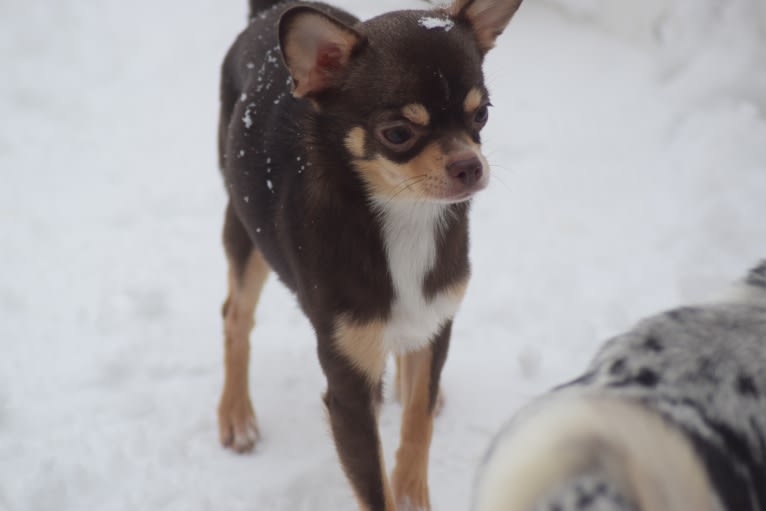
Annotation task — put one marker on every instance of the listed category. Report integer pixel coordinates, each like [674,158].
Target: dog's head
[403,92]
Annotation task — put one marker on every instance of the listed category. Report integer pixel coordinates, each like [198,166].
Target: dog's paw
[409,504]
[237,425]
[409,480]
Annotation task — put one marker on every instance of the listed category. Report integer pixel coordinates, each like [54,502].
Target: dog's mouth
[456,192]
[468,194]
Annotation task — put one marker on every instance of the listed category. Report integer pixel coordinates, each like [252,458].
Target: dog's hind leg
[247,273]
[418,375]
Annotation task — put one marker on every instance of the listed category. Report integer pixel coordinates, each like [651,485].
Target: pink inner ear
[329,58]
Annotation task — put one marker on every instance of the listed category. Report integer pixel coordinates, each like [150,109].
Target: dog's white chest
[409,232]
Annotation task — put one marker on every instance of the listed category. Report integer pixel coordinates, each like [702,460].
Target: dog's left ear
[488,18]
[316,48]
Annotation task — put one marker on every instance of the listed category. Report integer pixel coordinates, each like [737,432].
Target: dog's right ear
[316,48]
[488,18]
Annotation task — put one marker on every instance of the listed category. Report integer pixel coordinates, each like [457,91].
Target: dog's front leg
[418,386]
[353,361]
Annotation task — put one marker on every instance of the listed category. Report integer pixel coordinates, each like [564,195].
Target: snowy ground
[629,153]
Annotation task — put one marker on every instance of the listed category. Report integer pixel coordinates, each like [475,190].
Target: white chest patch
[409,235]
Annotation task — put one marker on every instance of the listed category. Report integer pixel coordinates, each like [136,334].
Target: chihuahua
[669,416]
[350,151]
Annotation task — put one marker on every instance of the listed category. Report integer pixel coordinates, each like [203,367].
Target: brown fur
[378,111]
[351,404]
[307,77]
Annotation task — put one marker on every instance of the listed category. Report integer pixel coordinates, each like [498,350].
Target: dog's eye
[398,135]
[481,115]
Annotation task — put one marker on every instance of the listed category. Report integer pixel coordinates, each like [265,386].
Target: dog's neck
[410,231]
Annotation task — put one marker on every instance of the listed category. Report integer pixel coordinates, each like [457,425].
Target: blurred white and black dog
[669,416]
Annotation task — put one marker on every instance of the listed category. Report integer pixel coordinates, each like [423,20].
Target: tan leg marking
[410,476]
[472,100]
[362,345]
[399,391]
[417,114]
[236,418]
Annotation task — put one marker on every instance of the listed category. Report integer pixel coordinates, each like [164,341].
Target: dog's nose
[468,171]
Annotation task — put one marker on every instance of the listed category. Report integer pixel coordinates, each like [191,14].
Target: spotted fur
[701,371]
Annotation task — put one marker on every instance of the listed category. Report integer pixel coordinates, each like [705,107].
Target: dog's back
[669,416]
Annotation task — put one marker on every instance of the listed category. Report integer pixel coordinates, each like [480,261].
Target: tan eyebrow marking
[416,113]
[473,100]
[355,142]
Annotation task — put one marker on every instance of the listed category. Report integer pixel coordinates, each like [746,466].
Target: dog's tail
[751,289]
[757,277]
[566,436]
[258,6]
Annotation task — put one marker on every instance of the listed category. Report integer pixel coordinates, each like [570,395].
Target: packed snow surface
[628,152]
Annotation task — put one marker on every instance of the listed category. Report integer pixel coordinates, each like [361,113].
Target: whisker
[495,166]
[496,176]
[405,185]
[400,191]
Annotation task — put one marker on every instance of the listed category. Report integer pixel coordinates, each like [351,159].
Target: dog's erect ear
[316,48]
[487,17]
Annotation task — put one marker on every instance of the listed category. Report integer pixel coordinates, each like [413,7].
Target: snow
[247,119]
[629,174]
[431,23]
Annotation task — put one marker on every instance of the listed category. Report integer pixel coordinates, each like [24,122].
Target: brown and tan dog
[350,152]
